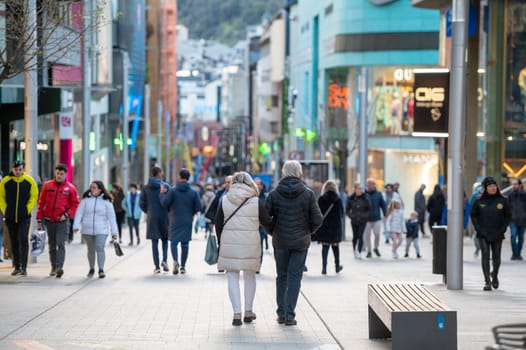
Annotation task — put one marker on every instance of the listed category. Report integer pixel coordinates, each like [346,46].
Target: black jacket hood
[290,187]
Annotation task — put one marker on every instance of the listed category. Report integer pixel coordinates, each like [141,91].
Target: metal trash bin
[440,250]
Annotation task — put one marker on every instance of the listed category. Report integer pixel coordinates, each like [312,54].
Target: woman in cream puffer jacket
[239,240]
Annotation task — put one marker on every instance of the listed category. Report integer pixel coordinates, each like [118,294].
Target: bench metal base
[430,330]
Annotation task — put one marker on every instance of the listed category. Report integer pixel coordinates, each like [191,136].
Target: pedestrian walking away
[18,197]
[57,204]
[95,216]
[395,225]
[118,196]
[490,215]
[262,233]
[329,234]
[156,217]
[182,203]
[295,216]
[358,208]
[517,200]
[214,205]
[476,194]
[411,226]
[435,206]
[374,221]
[206,199]
[420,208]
[130,204]
[238,220]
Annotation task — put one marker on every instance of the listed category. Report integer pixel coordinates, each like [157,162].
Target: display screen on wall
[338,101]
[431,102]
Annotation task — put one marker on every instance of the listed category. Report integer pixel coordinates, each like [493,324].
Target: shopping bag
[211,253]
[38,242]
[118,250]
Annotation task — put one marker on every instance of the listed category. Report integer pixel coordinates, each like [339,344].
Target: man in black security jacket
[18,196]
[295,215]
[490,215]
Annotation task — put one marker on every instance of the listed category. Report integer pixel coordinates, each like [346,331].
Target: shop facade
[391,41]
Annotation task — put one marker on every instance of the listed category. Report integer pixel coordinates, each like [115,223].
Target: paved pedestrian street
[133,308]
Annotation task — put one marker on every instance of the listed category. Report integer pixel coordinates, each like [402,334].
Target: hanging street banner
[431,102]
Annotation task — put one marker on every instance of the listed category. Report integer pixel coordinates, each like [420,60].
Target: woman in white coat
[237,223]
[95,216]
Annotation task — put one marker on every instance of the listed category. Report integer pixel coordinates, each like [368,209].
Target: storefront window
[515,113]
[391,104]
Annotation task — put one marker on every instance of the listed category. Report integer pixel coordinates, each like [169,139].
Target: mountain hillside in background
[223,20]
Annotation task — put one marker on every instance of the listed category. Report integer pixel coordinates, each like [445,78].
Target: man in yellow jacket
[18,196]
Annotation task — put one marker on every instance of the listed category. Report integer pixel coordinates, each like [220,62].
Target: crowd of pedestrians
[242,214]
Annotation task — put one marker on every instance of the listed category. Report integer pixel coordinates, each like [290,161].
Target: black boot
[324,254]
[487,282]
[336,252]
[494,280]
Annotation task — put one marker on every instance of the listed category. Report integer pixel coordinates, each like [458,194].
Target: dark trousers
[262,238]
[19,235]
[485,247]
[422,229]
[155,250]
[120,219]
[325,255]
[289,265]
[184,251]
[357,236]
[133,224]
[57,233]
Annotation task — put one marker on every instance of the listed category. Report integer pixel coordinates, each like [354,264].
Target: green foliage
[223,20]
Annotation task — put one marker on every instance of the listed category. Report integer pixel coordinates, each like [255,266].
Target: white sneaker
[395,255]
[357,255]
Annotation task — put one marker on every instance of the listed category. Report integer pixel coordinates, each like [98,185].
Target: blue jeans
[517,238]
[289,268]
[184,251]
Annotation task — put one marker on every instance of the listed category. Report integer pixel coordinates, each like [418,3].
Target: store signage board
[431,101]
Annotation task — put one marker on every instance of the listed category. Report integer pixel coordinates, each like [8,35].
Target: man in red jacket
[57,203]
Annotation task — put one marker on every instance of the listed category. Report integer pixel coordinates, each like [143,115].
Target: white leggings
[249,278]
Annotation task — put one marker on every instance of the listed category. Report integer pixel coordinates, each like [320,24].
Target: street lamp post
[146,159]
[363,126]
[125,119]
[31,100]
[86,94]
[455,188]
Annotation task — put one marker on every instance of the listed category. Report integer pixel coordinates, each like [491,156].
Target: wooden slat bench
[411,316]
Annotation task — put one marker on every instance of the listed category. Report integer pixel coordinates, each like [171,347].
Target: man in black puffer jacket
[490,215]
[295,215]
